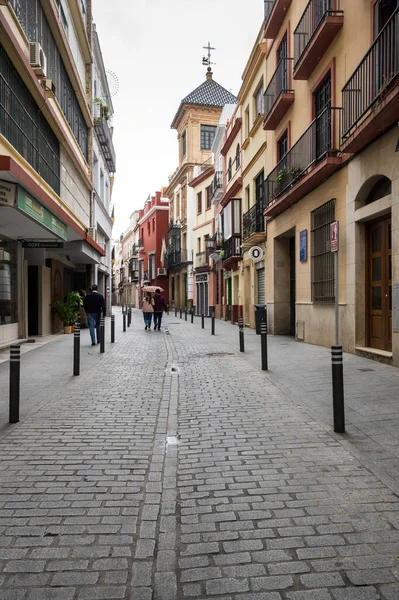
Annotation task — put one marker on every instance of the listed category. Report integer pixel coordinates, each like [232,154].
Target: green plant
[281,175]
[68,310]
[104,109]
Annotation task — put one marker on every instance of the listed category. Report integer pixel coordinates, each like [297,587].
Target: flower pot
[67,328]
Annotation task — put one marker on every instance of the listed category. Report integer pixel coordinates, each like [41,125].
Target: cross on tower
[207,61]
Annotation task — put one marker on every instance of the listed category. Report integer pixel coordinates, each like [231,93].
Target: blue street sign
[303,245]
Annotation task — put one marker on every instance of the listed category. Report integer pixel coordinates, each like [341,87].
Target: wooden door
[379,314]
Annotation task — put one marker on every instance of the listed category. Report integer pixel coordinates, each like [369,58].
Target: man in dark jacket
[159,307]
[94,305]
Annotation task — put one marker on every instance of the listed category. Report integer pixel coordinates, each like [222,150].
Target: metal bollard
[185,314]
[213,323]
[192,315]
[338,389]
[112,329]
[241,333]
[202,321]
[263,343]
[129,317]
[181,312]
[124,322]
[175,311]
[76,350]
[15,370]
[102,335]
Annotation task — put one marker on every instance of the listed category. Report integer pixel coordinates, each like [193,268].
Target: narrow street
[173,468]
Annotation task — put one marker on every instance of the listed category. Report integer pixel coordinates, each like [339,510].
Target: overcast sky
[155,49]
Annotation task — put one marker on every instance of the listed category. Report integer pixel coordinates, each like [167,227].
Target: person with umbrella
[159,307]
[148,310]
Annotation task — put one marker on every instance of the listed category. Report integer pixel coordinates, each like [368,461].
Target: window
[153,225]
[207,136]
[102,185]
[247,198]
[238,161]
[259,188]
[230,169]
[198,245]
[282,146]
[247,122]
[151,267]
[199,203]
[208,197]
[184,143]
[63,16]
[323,278]
[258,101]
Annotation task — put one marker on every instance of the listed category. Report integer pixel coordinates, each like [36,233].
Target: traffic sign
[256,253]
[334,235]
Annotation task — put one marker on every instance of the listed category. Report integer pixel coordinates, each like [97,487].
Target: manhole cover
[365,370]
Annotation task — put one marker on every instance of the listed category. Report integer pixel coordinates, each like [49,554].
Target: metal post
[241,333]
[202,321]
[76,350]
[181,312]
[175,311]
[263,343]
[338,389]
[112,329]
[185,314]
[213,323]
[102,335]
[336,299]
[129,317]
[192,315]
[15,369]
[124,322]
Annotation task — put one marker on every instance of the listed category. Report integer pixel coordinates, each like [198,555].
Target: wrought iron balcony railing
[280,83]
[314,14]
[216,185]
[369,83]
[176,258]
[253,221]
[313,146]
[232,248]
[105,139]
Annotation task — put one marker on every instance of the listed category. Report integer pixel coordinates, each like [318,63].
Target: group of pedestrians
[153,305]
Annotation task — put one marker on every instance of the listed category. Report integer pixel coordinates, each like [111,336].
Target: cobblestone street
[174,468]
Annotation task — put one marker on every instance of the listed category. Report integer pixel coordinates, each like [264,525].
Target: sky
[155,48]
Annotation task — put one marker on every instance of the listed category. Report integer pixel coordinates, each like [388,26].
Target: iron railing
[105,139]
[280,83]
[217,182]
[268,8]
[314,145]
[232,247]
[372,77]
[253,220]
[315,12]
[25,127]
[175,258]
[201,260]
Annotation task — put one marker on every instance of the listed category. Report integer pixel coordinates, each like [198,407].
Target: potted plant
[68,310]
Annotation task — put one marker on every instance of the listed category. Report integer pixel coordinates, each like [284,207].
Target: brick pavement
[173,468]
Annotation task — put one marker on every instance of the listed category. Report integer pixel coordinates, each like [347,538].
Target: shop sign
[34,209]
[334,236]
[7,193]
[303,245]
[43,245]
[256,253]
[227,274]
[202,277]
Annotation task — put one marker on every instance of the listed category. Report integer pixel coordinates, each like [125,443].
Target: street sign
[42,245]
[303,245]
[256,253]
[334,233]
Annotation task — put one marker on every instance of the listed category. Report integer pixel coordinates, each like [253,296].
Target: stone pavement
[173,468]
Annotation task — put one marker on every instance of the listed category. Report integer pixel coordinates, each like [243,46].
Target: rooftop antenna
[206,61]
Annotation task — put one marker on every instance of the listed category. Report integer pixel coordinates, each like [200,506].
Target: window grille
[25,127]
[323,276]
[207,136]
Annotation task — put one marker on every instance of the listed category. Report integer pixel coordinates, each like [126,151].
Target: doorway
[33,300]
[379,285]
[292,287]
[322,104]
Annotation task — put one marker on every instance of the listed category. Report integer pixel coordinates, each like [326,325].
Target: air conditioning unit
[38,59]
[92,231]
[162,272]
[49,87]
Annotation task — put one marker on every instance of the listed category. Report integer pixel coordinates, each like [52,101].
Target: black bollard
[112,329]
[124,322]
[338,389]
[76,350]
[192,315]
[181,312]
[263,343]
[129,317]
[175,311]
[102,335]
[15,370]
[185,314]
[213,323]
[241,333]
[167,310]
[202,321]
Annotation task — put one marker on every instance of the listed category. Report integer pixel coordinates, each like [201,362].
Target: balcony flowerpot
[68,310]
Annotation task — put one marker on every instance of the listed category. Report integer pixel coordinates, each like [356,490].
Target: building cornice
[202,177]
[151,212]
[231,137]
[237,185]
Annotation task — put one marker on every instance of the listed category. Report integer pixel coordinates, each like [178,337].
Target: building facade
[46,136]
[195,122]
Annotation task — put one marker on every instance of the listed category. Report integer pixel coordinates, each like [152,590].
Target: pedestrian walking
[148,310]
[94,306]
[159,307]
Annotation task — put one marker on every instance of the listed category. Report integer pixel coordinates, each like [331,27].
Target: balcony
[139,243]
[105,140]
[202,260]
[318,26]
[217,187]
[306,165]
[275,11]
[279,94]
[253,223]
[176,258]
[231,250]
[370,98]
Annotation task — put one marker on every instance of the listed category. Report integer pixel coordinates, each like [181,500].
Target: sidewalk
[173,468]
